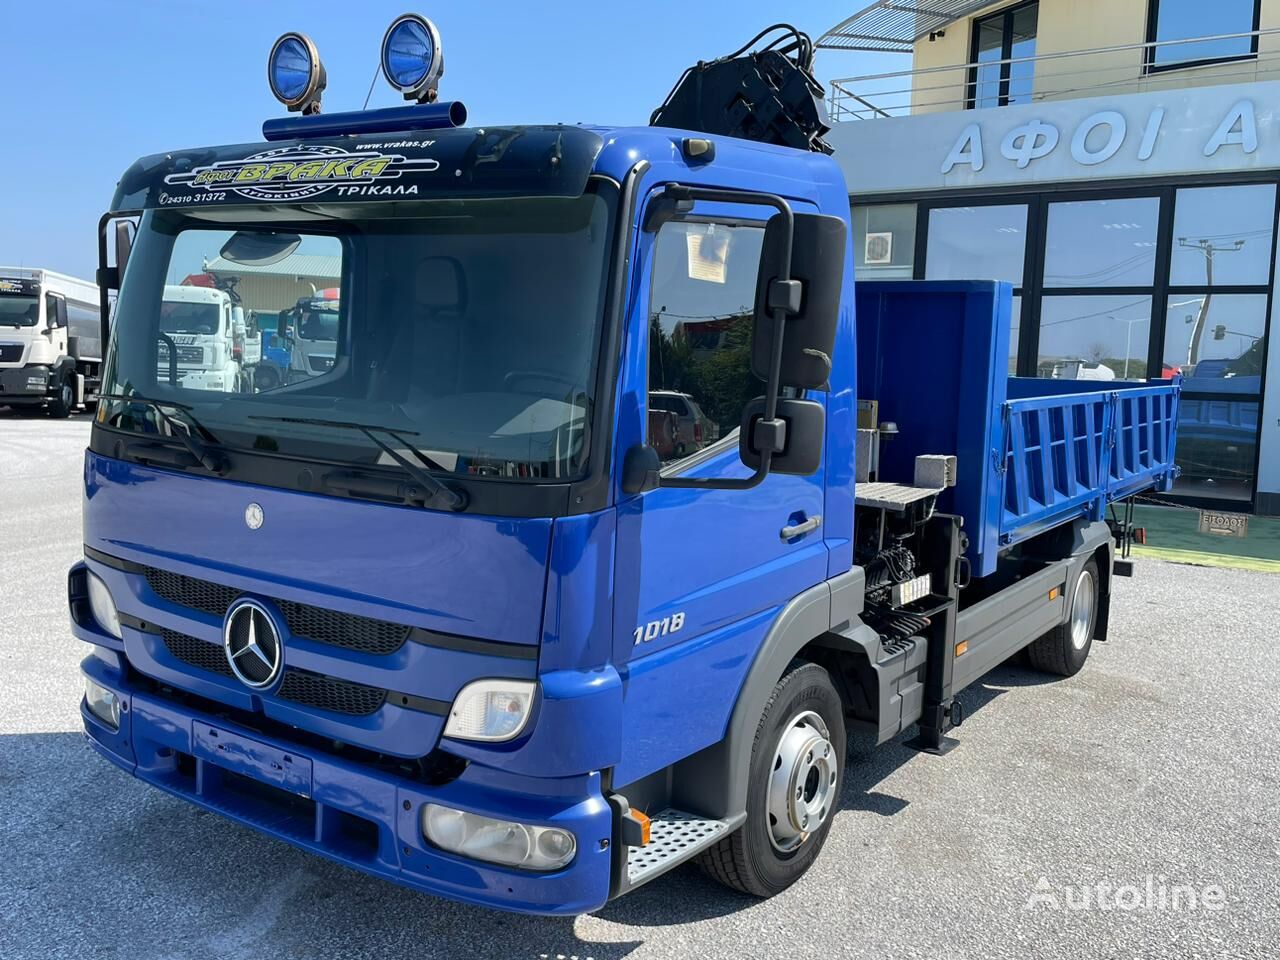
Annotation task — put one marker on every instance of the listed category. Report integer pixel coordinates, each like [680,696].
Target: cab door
[700,574]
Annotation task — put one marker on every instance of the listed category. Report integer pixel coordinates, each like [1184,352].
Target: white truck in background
[204,343]
[50,340]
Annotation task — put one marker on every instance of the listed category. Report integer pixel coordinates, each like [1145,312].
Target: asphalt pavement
[1130,812]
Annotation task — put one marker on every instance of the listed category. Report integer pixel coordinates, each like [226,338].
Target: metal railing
[951,87]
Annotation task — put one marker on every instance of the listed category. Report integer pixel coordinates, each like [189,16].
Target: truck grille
[10,352]
[330,693]
[185,354]
[346,630]
[298,686]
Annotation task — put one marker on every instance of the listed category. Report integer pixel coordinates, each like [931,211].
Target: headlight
[102,703]
[103,607]
[490,710]
[497,841]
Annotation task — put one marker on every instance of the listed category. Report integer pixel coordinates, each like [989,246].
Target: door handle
[800,529]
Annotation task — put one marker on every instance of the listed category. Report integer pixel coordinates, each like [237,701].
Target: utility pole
[1209,250]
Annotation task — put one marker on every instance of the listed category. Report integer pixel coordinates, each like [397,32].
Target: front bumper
[29,384]
[355,814]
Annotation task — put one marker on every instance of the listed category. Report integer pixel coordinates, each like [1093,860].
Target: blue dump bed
[1031,453]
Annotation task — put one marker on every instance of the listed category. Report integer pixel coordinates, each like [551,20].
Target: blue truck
[445,613]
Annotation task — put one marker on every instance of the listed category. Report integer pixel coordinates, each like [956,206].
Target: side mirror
[804,429]
[124,244]
[109,277]
[282,324]
[817,262]
[641,469]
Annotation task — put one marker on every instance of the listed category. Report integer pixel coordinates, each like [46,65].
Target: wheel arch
[714,781]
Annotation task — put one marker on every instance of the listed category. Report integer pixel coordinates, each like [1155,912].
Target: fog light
[490,710]
[102,703]
[103,607]
[497,841]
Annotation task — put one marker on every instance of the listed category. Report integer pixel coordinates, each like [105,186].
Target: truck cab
[311,332]
[201,338]
[50,345]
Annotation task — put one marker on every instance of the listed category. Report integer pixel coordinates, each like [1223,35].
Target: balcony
[1099,71]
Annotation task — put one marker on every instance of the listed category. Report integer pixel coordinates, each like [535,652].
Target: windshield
[319,324]
[470,327]
[19,310]
[178,317]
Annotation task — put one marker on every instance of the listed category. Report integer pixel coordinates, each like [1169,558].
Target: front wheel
[1064,649]
[61,405]
[794,789]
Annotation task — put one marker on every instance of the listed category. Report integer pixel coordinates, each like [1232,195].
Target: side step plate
[674,837]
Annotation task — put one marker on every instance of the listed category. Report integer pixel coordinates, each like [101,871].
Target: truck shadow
[234,893]
[686,895]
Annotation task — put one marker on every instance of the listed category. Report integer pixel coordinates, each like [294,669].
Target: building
[1117,161]
[278,286]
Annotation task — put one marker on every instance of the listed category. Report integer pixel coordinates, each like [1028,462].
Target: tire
[1065,648]
[803,718]
[264,378]
[61,405]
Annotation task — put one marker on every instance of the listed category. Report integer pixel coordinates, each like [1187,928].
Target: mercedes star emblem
[253,516]
[252,644]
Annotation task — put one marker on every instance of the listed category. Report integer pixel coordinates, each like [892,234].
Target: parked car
[694,429]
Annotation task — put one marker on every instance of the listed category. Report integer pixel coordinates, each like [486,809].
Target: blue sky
[88,87]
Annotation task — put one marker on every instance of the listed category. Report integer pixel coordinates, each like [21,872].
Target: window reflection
[1102,243]
[1094,338]
[1217,341]
[1015,330]
[977,243]
[701,314]
[1192,19]
[1217,447]
[1222,235]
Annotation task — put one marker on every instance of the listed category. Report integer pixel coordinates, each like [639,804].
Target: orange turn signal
[962,647]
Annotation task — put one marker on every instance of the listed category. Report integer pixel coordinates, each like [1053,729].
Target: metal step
[674,837]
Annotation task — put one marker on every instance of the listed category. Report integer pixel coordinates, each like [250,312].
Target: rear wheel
[1064,649]
[61,405]
[793,791]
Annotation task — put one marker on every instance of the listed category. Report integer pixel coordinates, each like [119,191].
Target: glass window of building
[884,241]
[1102,243]
[1222,236]
[1171,22]
[1094,337]
[1217,341]
[1217,447]
[977,243]
[1009,35]
[1015,329]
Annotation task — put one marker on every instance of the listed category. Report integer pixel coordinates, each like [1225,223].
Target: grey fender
[714,781]
[1087,539]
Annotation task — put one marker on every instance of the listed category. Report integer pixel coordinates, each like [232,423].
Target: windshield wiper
[439,490]
[207,459]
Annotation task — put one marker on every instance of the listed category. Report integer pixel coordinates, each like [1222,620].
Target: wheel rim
[802,782]
[64,394]
[1082,610]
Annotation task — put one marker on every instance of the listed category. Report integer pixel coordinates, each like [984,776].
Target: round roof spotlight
[411,57]
[295,73]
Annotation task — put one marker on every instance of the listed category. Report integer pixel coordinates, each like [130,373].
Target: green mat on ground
[1173,534]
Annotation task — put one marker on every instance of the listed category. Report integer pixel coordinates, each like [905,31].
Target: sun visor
[544,161]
